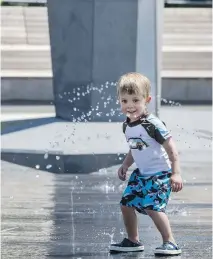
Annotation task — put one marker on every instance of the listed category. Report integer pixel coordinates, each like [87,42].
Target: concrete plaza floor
[47,215]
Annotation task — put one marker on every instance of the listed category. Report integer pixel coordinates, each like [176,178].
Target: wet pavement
[47,215]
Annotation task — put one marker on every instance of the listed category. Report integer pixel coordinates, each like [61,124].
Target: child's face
[133,106]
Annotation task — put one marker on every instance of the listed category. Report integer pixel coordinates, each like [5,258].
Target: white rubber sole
[126,249]
[167,252]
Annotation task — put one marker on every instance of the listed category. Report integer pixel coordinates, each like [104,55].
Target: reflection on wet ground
[48,215]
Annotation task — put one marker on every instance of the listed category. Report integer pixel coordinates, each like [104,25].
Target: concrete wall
[82,38]
[27,89]
[183,90]
[96,42]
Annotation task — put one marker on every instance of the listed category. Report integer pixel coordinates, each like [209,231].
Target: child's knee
[150,212]
[126,209]
[154,213]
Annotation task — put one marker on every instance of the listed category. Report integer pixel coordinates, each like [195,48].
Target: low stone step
[7,10]
[38,41]
[15,34]
[177,12]
[189,26]
[34,21]
[187,60]
[45,65]
[186,30]
[26,64]
[175,65]
[13,41]
[42,37]
[170,60]
[17,22]
[47,74]
[186,40]
[187,19]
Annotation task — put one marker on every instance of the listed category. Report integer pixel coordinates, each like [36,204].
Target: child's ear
[148,99]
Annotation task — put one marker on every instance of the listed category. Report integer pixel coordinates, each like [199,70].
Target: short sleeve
[161,133]
[124,126]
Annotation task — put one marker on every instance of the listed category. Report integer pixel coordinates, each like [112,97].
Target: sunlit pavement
[47,215]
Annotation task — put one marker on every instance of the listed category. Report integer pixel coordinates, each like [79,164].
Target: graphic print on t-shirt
[137,143]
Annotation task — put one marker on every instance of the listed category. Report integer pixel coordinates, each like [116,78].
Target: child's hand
[122,172]
[176,182]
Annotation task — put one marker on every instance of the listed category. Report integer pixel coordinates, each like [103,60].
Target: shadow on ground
[56,161]
[59,163]
[18,125]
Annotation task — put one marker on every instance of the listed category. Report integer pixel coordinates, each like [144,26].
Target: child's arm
[172,152]
[128,161]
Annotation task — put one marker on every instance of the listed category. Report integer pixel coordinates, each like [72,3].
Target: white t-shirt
[145,138]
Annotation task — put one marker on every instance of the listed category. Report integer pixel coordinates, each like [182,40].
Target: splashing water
[45,155]
[107,101]
[48,166]
[178,211]
[109,188]
[110,235]
[103,171]
[72,222]
[170,102]
[122,233]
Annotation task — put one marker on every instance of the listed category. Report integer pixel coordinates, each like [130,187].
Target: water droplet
[184,213]
[48,166]
[37,166]
[45,155]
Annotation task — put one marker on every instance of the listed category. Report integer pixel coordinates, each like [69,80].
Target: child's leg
[131,223]
[162,223]
[130,244]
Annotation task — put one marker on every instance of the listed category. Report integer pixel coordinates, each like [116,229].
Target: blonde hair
[134,83]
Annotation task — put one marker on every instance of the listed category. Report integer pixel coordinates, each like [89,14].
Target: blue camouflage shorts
[147,192]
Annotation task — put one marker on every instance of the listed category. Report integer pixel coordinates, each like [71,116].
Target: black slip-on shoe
[127,246]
